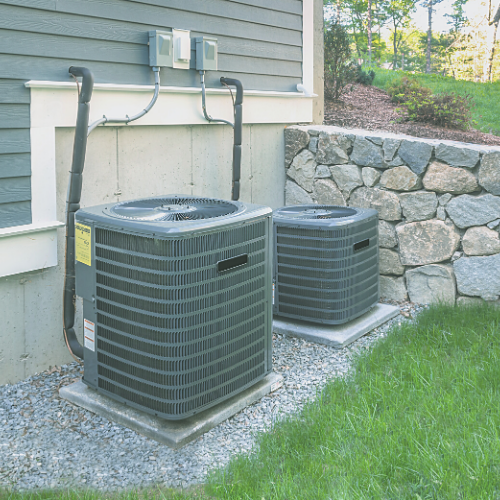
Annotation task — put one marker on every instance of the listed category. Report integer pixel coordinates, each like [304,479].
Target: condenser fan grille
[173,209]
[314,212]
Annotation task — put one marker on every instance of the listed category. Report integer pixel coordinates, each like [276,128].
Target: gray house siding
[260,43]
[15,162]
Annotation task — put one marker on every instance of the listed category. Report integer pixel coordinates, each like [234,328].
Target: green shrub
[364,77]
[403,89]
[449,109]
[339,70]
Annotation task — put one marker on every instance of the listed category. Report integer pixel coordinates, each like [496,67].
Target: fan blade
[139,213]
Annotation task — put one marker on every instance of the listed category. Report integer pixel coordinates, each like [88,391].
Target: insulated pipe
[127,118]
[238,132]
[73,204]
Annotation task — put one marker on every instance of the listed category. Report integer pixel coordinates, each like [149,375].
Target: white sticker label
[273,294]
[276,385]
[89,334]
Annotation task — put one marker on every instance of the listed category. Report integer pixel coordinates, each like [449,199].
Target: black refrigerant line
[238,132]
[73,204]
[237,128]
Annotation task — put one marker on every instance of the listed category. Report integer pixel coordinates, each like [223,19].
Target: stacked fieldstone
[438,204]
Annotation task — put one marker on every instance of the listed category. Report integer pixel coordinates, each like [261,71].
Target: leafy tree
[398,13]
[334,9]
[457,19]
[362,18]
[369,29]
[430,10]
[492,30]
[339,70]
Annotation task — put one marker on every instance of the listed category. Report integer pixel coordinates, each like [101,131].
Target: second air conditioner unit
[325,263]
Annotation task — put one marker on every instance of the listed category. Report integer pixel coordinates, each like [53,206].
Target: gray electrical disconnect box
[161,51]
[206,53]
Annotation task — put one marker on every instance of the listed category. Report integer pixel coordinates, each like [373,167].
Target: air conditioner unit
[176,301]
[325,263]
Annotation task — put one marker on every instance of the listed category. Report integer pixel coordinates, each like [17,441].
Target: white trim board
[47,84]
[56,105]
[28,251]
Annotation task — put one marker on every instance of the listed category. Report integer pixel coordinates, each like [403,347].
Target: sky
[439,21]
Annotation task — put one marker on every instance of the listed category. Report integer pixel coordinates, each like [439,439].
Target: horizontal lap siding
[260,43]
[15,162]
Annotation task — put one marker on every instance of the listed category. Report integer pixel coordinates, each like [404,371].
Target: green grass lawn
[486,113]
[418,419]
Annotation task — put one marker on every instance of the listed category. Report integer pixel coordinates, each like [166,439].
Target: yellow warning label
[83,248]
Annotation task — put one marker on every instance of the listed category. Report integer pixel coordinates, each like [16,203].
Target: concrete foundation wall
[126,163]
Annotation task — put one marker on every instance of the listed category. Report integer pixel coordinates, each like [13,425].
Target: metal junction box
[206,53]
[161,49]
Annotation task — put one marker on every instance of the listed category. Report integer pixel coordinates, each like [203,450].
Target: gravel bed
[46,442]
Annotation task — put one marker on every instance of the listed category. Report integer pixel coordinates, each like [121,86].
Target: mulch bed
[370,108]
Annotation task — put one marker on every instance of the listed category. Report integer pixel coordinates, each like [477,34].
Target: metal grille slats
[175,335]
[173,264]
[174,320]
[171,279]
[164,408]
[329,296]
[235,352]
[182,336]
[319,276]
[329,274]
[174,307]
[186,247]
[214,346]
[157,377]
[164,393]
[174,294]
[334,317]
[338,280]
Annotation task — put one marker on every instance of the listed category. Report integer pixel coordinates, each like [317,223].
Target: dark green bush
[449,109]
[339,70]
[405,88]
[364,77]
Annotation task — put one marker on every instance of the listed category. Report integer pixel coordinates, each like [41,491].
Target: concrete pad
[172,433]
[337,336]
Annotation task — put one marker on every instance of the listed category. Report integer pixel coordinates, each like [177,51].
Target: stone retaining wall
[438,204]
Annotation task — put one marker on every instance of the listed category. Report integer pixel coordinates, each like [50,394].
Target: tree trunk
[429,38]
[356,43]
[493,22]
[395,45]
[370,32]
